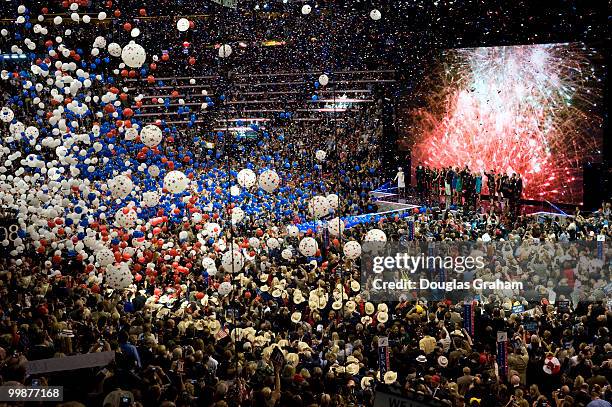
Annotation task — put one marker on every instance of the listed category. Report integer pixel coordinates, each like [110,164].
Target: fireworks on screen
[529,109]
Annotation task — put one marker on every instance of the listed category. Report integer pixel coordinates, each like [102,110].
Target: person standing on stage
[420,179]
[435,186]
[519,188]
[491,185]
[505,189]
[448,186]
[478,187]
[498,187]
[401,184]
[458,187]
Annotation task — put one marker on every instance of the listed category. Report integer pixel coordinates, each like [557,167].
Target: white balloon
[375,235]
[287,254]
[335,226]
[133,55]
[375,15]
[320,155]
[213,229]
[208,264]
[126,217]
[182,24]
[225,288]
[150,199]
[153,171]
[232,261]
[308,246]
[151,135]
[135,32]
[237,215]
[254,243]
[176,182]
[323,80]
[318,207]
[272,243]
[105,257]
[352,250]
[247,178]
[306,9]
[292,231]
[130,133]
[121,186]
[225,51]
[6,114]
[333,201]
[114,49]
[269,180]
[118,277]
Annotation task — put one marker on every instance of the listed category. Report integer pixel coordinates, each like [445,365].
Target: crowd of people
[196,267]
[463,187]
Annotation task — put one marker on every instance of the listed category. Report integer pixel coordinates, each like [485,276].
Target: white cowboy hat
[298,297]
[369,308]
[390,377]
[382,307]
[296,317]
[352,369]
[350,306]
[382,317]
[366,381]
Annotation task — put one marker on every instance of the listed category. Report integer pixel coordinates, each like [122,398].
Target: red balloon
[153,66]
[192,61]
[118,13]
[127,27]
[142,12]
[138,277]
[150,79]
[165,56]
[128,112]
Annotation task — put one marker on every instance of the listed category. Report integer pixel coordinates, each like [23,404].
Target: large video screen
[535,110]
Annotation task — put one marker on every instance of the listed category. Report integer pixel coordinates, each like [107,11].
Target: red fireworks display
[529,109]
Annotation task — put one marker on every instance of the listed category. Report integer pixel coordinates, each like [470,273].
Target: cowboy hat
[350,306]
[303,346]
[366,381]
[442,361]
[298,297]
[382,307]
[366,320]
[352,369]
[369,308]
[390,377]
[296,317]
[382,317]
